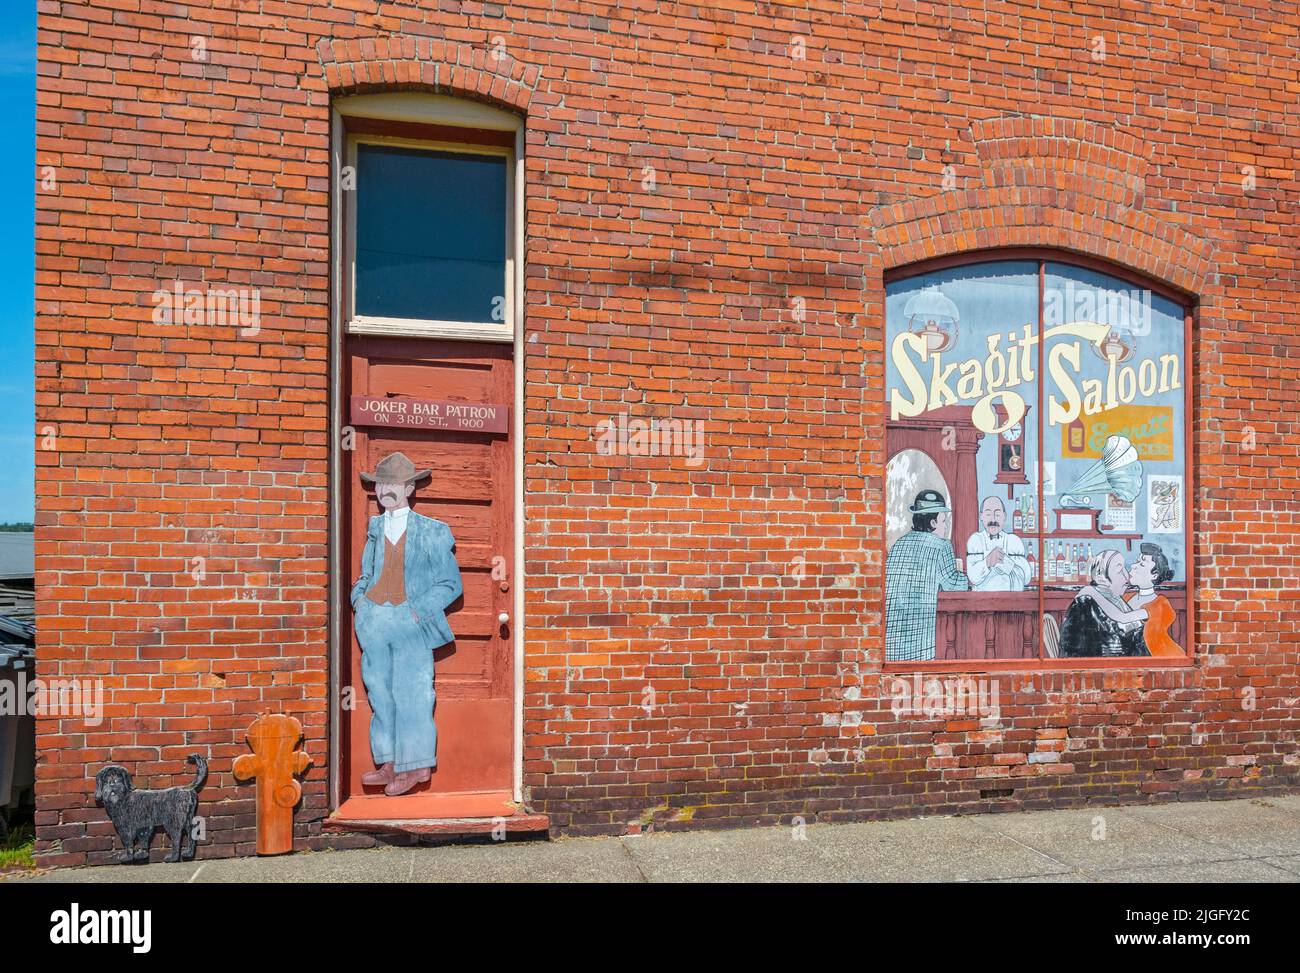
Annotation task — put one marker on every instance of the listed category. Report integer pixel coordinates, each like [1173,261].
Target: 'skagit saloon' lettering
[1002,371]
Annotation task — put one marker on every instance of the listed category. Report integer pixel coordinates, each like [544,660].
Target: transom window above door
[428,193]
[431,234]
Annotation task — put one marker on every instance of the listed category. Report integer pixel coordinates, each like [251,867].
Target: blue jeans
[397,668]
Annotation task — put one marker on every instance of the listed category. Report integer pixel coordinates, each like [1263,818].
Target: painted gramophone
[1118,472]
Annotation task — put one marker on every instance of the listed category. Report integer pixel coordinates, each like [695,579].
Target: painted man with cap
[919,565]
[408,579]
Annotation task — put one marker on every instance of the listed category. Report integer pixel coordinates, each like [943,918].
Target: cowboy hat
[395,468]
[930,502]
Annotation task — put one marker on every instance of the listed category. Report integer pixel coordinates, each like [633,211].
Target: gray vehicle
[17,727]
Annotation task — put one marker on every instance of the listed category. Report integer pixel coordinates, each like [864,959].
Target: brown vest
[391,586]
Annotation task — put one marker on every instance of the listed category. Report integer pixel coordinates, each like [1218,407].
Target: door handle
[503,618]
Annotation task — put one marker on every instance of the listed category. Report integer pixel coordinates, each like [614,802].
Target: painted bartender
[409,577]
[995,559]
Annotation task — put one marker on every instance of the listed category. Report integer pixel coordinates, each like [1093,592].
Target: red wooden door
[472,491]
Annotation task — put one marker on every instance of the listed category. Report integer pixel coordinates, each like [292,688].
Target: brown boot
[404,781]
[379,778]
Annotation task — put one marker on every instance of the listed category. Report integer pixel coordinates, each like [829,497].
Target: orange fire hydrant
[274,763]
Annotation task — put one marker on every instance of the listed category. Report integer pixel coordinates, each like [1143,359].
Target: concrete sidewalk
[1255,840]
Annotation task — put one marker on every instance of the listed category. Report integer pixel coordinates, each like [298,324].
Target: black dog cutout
[137,814]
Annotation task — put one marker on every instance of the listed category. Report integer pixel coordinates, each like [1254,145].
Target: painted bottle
[1074,437]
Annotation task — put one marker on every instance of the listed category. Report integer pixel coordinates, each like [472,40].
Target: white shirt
[1009,574]
[395,524]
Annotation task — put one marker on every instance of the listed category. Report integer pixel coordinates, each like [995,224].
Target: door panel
[472,491]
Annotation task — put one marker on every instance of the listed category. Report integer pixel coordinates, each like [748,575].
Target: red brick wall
[704,644]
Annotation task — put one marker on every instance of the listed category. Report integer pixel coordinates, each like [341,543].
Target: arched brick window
[1038,468]
[429,197]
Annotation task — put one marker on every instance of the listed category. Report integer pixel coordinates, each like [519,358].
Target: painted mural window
[1036,466]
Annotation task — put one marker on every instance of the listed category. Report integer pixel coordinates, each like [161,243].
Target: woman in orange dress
[1149,570]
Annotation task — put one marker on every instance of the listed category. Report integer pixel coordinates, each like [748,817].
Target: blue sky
[17,221]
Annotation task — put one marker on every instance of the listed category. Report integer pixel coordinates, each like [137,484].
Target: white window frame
[445,112]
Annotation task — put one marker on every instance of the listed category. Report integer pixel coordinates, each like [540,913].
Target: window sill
[1126,663]
[417,328]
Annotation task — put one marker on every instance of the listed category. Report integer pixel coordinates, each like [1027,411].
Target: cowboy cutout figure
[408,578]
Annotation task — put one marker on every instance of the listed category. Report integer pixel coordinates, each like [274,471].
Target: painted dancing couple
[1119,612]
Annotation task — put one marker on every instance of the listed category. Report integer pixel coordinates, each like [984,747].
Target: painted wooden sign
[369,410]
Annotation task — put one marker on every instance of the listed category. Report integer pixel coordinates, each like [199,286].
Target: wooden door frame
[421,109]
